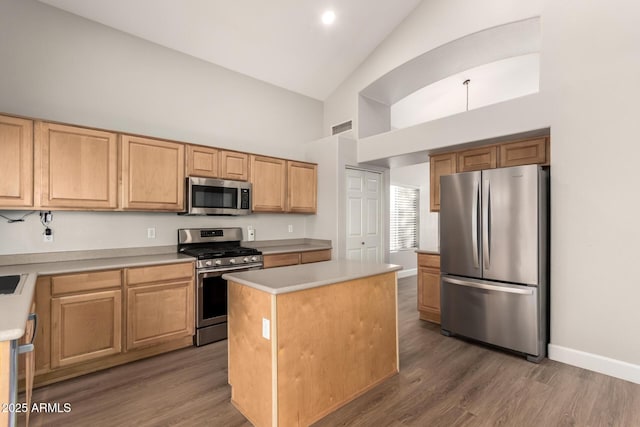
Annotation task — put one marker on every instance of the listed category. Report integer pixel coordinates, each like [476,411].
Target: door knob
[363,243]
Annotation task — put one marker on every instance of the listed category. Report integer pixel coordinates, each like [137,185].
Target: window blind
[404,218]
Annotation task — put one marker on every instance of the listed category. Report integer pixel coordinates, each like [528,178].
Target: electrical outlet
[47,235]
[151,233]
[266,328]
[251,233]
[290,228]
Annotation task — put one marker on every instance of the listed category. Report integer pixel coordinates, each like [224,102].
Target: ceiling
[282,42]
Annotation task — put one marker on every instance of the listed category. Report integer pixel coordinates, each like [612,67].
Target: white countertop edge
[383,269]
[15,310]
[63,267]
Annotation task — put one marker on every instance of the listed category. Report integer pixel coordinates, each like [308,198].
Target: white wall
[589,62]
[416,176]
[61,67]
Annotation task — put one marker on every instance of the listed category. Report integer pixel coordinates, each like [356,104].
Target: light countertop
[14,308]
[272,247]
[307,276]
[428,251]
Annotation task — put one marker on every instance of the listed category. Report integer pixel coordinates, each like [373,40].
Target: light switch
[266,328]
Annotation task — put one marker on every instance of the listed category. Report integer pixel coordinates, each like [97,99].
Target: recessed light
[328,17]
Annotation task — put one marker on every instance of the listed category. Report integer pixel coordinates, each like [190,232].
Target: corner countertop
[428,251]
[273,247]
[14,309]
[283,280]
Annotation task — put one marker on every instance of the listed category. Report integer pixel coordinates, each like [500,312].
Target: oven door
[211,295]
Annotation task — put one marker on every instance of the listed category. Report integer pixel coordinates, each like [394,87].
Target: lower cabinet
[159,313]
[429,287]
[294,258]
[85,327]
[96,320]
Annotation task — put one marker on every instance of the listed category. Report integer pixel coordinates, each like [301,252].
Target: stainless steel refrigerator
[494,233]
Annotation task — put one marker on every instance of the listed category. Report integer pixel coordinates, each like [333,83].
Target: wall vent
[342,127]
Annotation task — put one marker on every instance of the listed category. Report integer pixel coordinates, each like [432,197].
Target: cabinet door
[268,180]
[531,151]
[16,162]
[85,327]
[281,260]
[442,164]
[478,159]
[429,294]
[234,165]
[159,313]
[78,167]
[202,161]
[152,174]
[302,187]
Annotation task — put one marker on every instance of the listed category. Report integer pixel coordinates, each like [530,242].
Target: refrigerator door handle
[474,223]
[486,226]
[488,287]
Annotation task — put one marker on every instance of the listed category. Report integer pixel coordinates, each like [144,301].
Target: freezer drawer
[495,313]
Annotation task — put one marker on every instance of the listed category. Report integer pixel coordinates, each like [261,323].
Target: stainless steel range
[218,251]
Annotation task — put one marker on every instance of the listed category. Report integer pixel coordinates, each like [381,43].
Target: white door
[364,216]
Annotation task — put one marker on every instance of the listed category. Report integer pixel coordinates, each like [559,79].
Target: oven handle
[204,273]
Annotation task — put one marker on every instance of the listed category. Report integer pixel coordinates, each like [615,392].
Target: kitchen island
[306,339]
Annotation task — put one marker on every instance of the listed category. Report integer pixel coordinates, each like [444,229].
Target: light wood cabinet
[160,304]
[440,165]
[268,177]
[85,327]
[477,159]
[234,165]
[294,258]
[526,152]
[429,287]
[76,167]
[16,163]
[152,174]
[302,187]
[203,161]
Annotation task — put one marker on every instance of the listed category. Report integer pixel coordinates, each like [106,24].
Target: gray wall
[58,66]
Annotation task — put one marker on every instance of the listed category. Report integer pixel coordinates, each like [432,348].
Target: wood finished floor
[442,382]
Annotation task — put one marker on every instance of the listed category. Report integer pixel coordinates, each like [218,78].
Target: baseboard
[593,362]
[407,273]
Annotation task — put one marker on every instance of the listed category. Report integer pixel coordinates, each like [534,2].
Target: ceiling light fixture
[328,17]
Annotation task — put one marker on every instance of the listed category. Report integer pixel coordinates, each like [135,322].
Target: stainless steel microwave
[209,196]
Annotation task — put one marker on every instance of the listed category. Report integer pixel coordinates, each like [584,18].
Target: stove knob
[232,261]
[218,262]
[254,259]
[246,259]
[207,263]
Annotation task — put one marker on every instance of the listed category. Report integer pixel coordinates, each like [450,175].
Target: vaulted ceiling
[282,42]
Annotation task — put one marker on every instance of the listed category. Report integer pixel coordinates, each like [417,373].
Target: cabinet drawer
[429,261]
[157,273]
[315,256]
[281,260]
[86,281]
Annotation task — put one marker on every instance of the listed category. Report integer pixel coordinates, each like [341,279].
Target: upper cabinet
[525,152]
[440,165]
[268,179]
[478,159]
[234,165]
[152,174]
[16,163]
[76,167]
[302,187]
[203,161]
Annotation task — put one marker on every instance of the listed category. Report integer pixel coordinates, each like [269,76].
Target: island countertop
[307,276]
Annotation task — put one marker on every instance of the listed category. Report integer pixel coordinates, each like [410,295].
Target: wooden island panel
[250,355]
[335,342]
[327,346]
